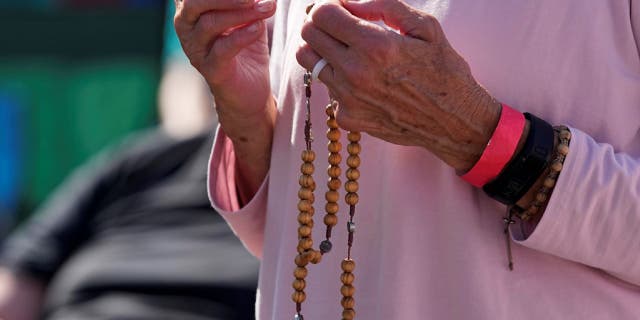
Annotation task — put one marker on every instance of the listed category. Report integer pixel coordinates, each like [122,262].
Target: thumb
[397,15]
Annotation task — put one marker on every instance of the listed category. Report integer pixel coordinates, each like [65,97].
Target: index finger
[339,23]
[191,10]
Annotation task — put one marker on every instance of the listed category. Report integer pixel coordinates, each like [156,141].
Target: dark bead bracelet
[526,167]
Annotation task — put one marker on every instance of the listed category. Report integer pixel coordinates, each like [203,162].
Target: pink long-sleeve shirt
[430,246]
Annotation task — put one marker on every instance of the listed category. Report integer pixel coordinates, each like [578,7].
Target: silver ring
[318,68]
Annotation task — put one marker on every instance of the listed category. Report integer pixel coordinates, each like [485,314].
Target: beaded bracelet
[542,196]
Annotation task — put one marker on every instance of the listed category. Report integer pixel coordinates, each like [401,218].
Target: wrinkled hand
[407,86]
[226,41]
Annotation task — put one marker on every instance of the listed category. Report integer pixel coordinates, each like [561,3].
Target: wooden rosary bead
[541,197]
[306,194]
[306,181]
[565,134]
[299,284]
[556,166]
[332,123]
[334,146]
[333,134]
[332,196]
[331,208]
[308,155]
[351,186]
[353,161]
[304,231]
[353,136]
[298,296]
[354,148]
[348,290]
[301,260]
[305,244]
[563,149]
[307,168]
[334,171]
[351,198]
[348,265]
[330,220]
[304,205]
[300,273]
[335,159]
[348,302]
[316,257]
[348,314]
[549,183]
[347,278]
[305,218]
[353,174]
[334,184]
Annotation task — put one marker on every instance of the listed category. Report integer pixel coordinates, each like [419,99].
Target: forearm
[252,137]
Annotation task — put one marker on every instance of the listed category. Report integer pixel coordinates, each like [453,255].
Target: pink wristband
[499,149]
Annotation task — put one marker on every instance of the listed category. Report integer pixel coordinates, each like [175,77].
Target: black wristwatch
[526,167]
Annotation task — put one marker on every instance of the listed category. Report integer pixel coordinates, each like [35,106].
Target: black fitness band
[526,167]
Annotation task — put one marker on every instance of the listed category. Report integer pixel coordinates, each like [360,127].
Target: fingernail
[253,28]
[264,5]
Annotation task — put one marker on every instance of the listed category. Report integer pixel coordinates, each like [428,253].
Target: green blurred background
[75,76]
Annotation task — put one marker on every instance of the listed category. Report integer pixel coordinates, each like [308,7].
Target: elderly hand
[226,41]
[407,86]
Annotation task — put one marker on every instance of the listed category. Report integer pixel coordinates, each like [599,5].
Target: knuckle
[325,12]
[308,29]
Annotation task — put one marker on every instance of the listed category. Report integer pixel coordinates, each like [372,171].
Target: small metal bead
[351,186]
[351,198]
[332,123]
[308,155]
[348,314]
[334,171]
[299,284]
[307,168]
[353,161]
[354,148]
[330,220]
[334,146]
[331,208]
[298,317]
[298,296]
[348,265]
[351,226]
[332,196]
[325,246]
[348,302]
[304,205]
[304,231]
[348,290]
[347,278]
[305,194]
[353,174]
[335,159]
[333,134]
[334,184]
[300,273]
[353,136]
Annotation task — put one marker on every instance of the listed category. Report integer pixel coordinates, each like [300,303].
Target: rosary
[305,253]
